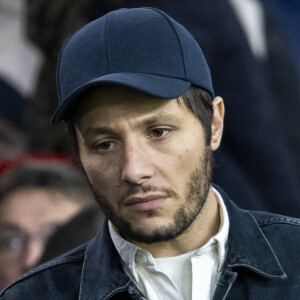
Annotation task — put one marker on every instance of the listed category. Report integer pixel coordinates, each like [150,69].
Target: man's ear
[217,123]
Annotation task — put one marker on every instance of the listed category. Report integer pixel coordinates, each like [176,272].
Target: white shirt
[193,275]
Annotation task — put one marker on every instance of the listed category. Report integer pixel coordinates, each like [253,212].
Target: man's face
[27,218]
[146,161]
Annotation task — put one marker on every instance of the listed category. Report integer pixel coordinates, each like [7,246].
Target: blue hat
[141,48]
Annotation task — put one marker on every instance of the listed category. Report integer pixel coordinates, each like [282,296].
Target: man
[137,95]
[37,196]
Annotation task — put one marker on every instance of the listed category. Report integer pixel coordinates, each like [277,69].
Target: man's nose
[137,165]
[34,252]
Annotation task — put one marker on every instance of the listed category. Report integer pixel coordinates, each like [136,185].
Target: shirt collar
[127,250]
[222,236]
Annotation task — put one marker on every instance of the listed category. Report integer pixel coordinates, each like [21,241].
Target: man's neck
[200,231]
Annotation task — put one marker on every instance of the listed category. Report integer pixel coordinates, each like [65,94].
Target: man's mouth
[145,203]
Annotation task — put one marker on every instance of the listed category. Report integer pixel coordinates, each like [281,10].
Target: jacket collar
[103,274]
[247,245]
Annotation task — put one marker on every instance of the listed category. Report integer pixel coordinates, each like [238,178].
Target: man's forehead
[120,99]
[112,107]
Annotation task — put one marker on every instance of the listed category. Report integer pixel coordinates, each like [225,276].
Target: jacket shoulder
[265,219]
[51,280]
[283,235]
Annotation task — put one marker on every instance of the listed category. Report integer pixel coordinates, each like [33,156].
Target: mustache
[134,190]
[141,189]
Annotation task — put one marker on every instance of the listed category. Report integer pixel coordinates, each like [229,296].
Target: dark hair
[199,103]
[53,176]
[81,228]
[197,100]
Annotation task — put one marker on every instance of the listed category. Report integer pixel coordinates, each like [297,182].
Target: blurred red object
[6,165]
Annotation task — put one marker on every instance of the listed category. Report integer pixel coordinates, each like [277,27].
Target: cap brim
[159,86]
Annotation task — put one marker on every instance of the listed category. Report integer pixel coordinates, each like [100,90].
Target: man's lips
[149,202]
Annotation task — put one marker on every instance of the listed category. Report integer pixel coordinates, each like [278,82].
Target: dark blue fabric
[262,263]
[12,104]
[288,14]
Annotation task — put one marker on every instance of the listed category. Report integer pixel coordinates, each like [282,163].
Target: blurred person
[78,230]
[288,15]
[36,196]
[12,141]
[269,44]
[12,110]
[136,92]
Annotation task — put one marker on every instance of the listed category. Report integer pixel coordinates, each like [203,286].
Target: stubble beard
[197,189]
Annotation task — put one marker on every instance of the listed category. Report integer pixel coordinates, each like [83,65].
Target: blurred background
[253,50]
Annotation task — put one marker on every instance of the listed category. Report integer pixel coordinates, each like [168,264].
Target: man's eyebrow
[92,131]
[9,226]
[146,121]
[159,118]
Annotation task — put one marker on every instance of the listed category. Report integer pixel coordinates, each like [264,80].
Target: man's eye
[11,244]
[105,145]
[159,132]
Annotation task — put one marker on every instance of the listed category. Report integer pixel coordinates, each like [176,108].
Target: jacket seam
[266,240]
[288,221]
[177,37]
[117,290]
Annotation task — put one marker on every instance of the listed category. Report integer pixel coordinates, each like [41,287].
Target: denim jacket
[263,262]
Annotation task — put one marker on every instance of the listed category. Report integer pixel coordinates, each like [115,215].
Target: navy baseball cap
[141,48]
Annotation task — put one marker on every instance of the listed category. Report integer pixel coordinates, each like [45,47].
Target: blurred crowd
[41,196]
[252,48]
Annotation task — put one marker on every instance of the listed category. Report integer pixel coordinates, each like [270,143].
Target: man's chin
[149,233]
